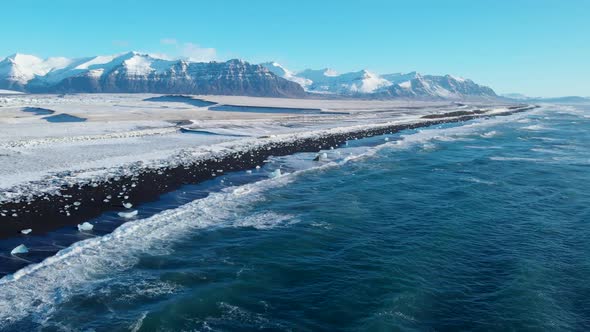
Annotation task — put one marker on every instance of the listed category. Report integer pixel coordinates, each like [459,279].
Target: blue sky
[536,47]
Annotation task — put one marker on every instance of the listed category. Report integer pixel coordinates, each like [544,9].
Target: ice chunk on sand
[21,249]
[26,231]
[128,205]
[276,173]
[127,215]
[85,227]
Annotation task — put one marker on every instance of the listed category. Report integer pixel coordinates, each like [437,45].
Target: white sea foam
[265,220]
[489,134]
[483,147]
[546,139]
[550,151]
[459,133]
[571,160]
[579,111]
[477,180]
[514,159]
[534,127]
[428,147]
[137,324]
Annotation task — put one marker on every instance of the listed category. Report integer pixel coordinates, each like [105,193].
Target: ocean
[482,225]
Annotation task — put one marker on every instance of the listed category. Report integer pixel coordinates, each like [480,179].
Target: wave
[478,180]
[572,160]
[547,151]
[580,112]
[493,147]
[534,127]
[265,220]
[515,159]
[139,323]
[466,132]
[547,139]
[489,134]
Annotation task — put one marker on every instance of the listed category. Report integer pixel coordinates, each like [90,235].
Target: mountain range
[399,85]
[135,72]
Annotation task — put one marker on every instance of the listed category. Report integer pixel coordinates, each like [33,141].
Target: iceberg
[85,227]
[128,205]
[321,157]
[21,249]
[128,215]
[276,173]
[26,231]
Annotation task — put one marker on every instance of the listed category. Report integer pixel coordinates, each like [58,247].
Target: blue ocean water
[482,225]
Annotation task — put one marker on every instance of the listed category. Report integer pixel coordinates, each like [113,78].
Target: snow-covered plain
[10,92]
[124,132]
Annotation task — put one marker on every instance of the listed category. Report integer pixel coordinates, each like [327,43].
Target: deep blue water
[482,226]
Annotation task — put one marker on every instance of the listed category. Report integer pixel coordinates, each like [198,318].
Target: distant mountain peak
[16,56]
[330,72]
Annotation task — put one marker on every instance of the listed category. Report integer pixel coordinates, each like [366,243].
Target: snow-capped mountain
[18,69]
[432,86]
[135,72]
[283,72]
[329,81]
[368,84]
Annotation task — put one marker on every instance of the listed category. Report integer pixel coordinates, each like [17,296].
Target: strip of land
[105,151]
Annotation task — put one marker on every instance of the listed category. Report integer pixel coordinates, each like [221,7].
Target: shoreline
[76,204]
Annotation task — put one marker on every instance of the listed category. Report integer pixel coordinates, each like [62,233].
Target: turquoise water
[474,226]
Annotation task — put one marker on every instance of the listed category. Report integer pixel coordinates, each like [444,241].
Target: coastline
[45,212]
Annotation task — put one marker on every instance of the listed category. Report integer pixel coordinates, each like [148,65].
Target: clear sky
[536,47]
